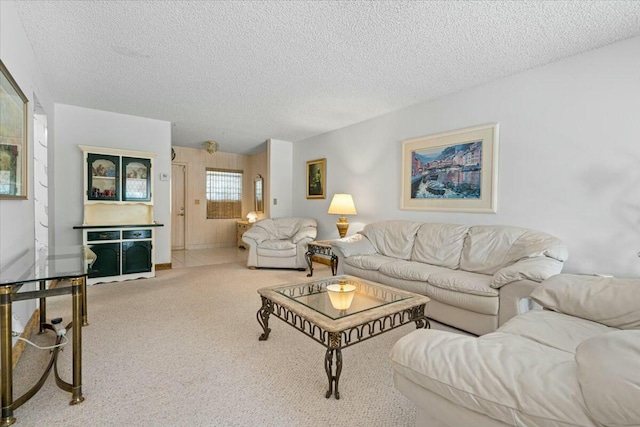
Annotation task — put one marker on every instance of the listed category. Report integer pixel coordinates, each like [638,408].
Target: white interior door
[178,181]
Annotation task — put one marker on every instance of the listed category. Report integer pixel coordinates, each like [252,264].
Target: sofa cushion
[537,269]
[277,248]
[487,248]
[357,244]
[463,281]
[607,300]
[368,262]
[284,228]
[501,375]
[410,270]
[553,329]
[465,301]
[439,244]
[609,376]
[392,238]
[536,244]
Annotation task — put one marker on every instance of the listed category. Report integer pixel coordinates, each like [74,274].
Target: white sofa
[477,277]
[576,363]
[279,242]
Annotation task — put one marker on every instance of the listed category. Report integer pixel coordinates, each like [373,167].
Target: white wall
[280,177]
[569,157]
[17,232]
[83,126]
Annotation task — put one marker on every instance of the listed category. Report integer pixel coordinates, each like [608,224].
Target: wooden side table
[241,227]
[321,248]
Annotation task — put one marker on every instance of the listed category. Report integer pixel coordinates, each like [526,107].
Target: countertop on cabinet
[89,226]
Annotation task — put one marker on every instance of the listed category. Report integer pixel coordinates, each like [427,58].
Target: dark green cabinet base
[136,257]
[122,254]
[108,260]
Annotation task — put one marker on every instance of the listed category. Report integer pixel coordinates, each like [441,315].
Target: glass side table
[67,265]
[321,248]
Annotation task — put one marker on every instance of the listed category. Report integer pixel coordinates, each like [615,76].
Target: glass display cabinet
[118,221]
[136,179]
[102,177]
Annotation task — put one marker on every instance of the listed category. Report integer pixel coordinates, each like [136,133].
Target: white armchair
[279,242]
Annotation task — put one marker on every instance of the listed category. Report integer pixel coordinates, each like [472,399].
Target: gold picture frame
[13,138]
[454,171]
[316,179]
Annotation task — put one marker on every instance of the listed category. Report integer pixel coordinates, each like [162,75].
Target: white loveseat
[477,277]
[576,363]
[279,242]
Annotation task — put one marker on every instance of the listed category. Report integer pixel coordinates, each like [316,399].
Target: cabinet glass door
[103,176]
[136,179]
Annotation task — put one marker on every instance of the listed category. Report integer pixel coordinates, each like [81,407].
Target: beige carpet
[182,349]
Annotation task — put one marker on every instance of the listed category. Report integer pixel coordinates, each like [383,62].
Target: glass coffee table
[321,310]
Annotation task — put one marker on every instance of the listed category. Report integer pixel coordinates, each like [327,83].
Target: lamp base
[343,226]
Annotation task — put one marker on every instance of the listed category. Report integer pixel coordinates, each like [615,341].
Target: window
[224,193]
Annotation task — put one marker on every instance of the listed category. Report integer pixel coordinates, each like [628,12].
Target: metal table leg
[334,264]
[85,315]
[263,317]
[7,357]
[334,377]
[309,257]
[78,308]
[43,307]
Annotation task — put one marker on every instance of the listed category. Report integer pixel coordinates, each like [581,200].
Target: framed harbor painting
[316,178]
[453,171]
[13,138]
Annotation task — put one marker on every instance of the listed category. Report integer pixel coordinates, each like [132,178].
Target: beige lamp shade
[341,295]
[342,204]
[252,216]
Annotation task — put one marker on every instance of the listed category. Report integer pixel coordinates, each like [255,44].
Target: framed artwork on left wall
[316,179]
[13,138]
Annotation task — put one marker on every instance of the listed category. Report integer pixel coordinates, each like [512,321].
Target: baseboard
[165,266]
[32,325]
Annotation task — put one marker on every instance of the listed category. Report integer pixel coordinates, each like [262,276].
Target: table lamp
[342,204]
[252,216]
[341,295]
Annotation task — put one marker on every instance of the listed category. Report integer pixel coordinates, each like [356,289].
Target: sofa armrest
[305,233]
[255,234]
[514,299]
[357,244]
[536,269]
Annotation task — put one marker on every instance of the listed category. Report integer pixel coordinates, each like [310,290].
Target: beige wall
[200,231]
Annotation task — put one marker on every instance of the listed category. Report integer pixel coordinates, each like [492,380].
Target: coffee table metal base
[335,342]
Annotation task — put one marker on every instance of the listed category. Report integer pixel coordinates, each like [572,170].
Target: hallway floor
[198,257]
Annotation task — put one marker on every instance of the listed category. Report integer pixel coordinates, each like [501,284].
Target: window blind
[224,193]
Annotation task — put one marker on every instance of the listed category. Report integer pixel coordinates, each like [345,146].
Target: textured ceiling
[241,72]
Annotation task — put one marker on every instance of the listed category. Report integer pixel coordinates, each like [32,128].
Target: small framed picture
[316,179]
